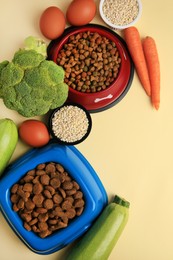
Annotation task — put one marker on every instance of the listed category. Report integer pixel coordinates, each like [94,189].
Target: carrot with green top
[134,44]
[153,64]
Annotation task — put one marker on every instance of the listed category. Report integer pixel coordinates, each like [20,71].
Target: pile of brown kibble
[91,62]
[47,198]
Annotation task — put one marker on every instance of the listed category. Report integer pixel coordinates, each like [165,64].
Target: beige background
[131,144]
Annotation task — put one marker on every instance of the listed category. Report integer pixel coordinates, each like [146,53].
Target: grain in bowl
[70,124]
[120,14]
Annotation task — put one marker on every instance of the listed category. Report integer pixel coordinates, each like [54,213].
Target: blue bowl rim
[79,169]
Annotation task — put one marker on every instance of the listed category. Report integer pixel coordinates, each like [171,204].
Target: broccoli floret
[27,59]
[11,94]
[30,108]
[2,66]
[32,85]
[11,75]
[47,74]
[26,100]
[60,96]
[54,72]
[30,101]
[15,95]
[34,77]
[22,89]
[37,44]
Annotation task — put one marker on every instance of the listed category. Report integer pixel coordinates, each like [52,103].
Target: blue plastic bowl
[80,170]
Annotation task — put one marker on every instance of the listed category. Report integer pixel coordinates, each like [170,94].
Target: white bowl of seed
[120,14]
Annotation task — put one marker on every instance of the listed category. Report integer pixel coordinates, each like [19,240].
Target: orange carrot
[152,60]
[134,44]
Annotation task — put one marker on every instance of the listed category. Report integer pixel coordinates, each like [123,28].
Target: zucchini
[8,141]
[100,239]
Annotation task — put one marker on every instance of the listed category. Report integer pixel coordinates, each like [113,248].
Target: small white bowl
[117,26]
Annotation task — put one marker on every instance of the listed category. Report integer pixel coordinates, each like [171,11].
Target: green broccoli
[27,59]
[37,44]
[55,72]
[32,85]
[11,75]
[60,95]
[2,66]
[48,73]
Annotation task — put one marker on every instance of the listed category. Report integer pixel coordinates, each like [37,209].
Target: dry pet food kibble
[91,62]
[47,198]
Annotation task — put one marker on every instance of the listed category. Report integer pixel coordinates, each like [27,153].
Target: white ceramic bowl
[123,25]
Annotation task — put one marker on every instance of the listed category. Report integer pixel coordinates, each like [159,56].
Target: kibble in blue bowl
[47,231]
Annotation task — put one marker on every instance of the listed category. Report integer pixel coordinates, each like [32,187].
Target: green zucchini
[100,239]
[8,141]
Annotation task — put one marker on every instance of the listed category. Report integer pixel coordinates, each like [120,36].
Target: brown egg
[52,22]
[81,12]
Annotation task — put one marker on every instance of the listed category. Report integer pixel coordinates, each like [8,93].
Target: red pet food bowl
[104,99]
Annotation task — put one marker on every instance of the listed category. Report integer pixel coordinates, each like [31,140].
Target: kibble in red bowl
[97,64]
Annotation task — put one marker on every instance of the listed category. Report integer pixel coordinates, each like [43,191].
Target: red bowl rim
[115,91]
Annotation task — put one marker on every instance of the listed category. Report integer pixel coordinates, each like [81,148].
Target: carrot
[152,60]
[134,44]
